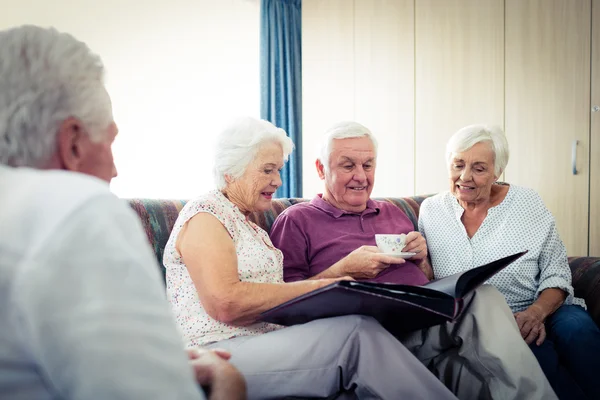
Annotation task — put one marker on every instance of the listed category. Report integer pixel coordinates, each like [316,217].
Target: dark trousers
[570,355]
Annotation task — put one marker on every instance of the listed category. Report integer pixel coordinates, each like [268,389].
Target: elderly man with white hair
[83,312]
[479,356]
[480,219]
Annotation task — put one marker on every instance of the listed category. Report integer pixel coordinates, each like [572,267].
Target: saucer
[400,255]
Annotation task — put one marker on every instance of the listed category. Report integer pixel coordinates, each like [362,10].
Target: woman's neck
[236,203]
[476,206]
[497,194]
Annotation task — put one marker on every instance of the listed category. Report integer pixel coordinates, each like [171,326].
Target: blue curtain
[281,81]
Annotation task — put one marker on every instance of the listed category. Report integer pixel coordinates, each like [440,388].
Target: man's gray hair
[469,136]
[239,143]
[342,130]
[46,77]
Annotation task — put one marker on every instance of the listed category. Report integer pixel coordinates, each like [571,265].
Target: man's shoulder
[37,203]
[384,205]
[299,211]
[37,185]
[57,192]
[299,215]
[385,208]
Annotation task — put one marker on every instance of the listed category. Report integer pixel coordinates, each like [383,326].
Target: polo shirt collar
[335,212]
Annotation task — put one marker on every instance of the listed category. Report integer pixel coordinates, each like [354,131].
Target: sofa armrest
[586,282]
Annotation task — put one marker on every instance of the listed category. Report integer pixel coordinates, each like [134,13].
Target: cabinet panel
[384,88]
[547,108]
[327,77]
[459,78]
[595,136]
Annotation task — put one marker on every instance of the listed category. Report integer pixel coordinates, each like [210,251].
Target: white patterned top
[258,261]
[520,222]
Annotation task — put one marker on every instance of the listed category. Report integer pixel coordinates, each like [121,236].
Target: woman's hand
[415,243]
[531,324]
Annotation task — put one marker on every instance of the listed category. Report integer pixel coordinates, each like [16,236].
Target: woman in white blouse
[223,272]
[480,220]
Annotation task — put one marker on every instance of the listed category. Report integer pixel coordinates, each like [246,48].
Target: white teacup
[390,243]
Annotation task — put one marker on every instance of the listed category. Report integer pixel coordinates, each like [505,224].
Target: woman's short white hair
[469,136]
[46,77]
[239,143]
[342,130]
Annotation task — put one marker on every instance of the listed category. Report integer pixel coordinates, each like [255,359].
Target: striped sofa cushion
[158,218]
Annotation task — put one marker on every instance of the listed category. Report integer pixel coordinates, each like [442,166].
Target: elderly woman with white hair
[481,219]
[223,272]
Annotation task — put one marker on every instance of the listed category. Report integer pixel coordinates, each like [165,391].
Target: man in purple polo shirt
[481,355]
[334,234]
[331,234]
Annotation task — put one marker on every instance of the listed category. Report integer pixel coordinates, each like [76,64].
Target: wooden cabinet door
[459,78]
[547,108]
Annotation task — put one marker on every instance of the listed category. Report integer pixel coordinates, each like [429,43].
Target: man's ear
[228,178]
[320,169]
[71,144]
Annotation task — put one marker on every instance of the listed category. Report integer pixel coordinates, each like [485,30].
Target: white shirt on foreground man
[83,309]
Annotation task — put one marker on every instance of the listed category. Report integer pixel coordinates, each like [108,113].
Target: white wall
[177,71]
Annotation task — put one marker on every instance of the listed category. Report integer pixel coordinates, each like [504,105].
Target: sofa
[158,218]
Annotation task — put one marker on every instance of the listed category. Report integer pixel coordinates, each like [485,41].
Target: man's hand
[212,370]
[415,243]
[366,262]
[531,324]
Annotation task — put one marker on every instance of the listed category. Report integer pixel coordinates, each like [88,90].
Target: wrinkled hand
[367,262]
[212,370]
[415,243]
[531,324]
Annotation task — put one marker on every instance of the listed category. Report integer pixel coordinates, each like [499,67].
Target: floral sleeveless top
[258,261]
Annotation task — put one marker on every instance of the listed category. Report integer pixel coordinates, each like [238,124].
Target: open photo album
[399,308]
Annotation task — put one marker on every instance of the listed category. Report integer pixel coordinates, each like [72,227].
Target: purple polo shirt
[315,235]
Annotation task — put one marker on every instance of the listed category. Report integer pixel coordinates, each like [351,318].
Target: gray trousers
[482,355]
[324,358]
